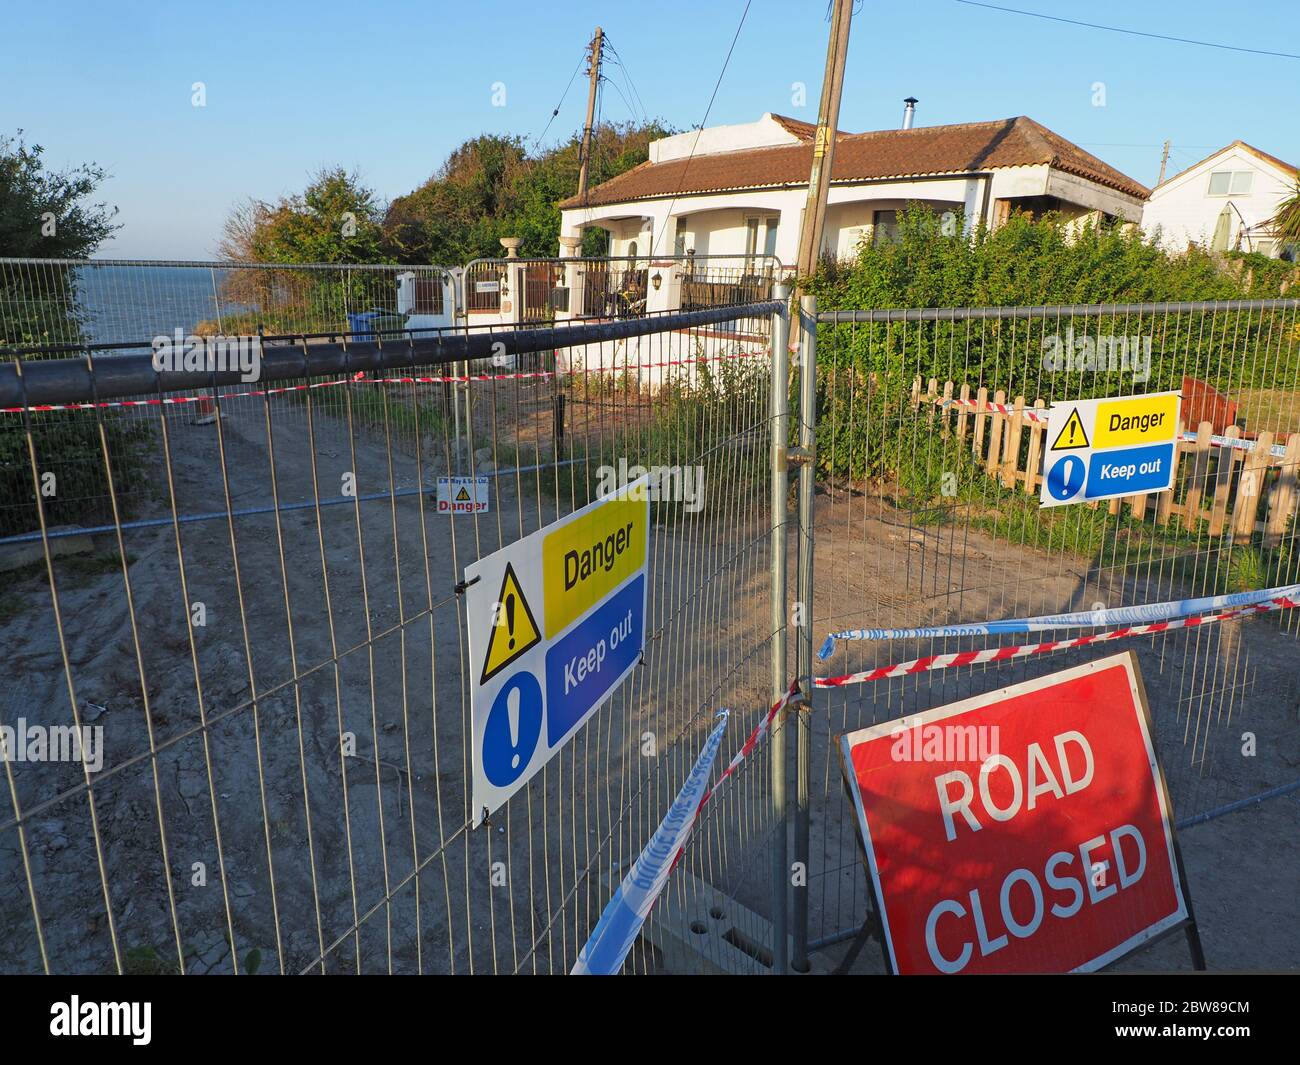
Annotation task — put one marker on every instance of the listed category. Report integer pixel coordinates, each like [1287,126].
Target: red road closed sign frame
[1025,831]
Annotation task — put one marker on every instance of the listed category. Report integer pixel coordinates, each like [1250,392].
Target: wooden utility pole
[1164,159]
[828,122]
[585,156]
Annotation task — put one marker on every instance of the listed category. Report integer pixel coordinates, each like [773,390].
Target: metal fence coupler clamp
[800,456]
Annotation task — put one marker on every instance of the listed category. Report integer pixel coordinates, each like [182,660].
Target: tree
[458,213]
[491,187]
[336,219]
[46,213]
[1286,223]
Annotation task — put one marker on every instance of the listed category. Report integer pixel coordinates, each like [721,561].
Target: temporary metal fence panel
[261,649]
[237,679]
[929,461]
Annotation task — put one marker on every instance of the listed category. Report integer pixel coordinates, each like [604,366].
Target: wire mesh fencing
[237,700]
[176,310]
[235,708]
[930,462]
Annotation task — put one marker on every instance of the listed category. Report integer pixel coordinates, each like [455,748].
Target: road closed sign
[556,622]
[1109,448]
[1024,831]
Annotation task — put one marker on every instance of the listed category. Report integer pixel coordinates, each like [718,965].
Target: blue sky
[391,88]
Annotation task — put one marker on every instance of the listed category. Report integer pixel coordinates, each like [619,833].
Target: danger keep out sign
[1023,831]
[556,622]
[1108,448]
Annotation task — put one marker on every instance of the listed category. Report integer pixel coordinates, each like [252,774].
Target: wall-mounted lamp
[657,280]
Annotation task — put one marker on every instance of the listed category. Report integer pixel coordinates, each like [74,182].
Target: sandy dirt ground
[266,825]
[275,838]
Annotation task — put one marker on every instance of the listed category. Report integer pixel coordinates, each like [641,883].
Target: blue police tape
[1124,615]
[1277,450]
[621,922]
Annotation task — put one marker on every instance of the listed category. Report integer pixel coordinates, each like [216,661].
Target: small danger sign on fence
[1028,830]
[556,622]
[1109,448]
[463,495]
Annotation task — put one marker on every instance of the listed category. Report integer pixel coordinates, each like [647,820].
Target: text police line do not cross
[556,622]
[1053,854]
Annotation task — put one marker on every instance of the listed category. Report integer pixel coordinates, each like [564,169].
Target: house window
[1230,182]
[884,227]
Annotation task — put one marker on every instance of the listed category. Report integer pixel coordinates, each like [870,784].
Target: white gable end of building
[1224,202]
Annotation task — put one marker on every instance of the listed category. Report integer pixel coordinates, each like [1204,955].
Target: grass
[921,464]
[371,405]
[1269,409]
[714,422]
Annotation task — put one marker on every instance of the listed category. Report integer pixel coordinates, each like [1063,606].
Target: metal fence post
[780,405]
[804,649]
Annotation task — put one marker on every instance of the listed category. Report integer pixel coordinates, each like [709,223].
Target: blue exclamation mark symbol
[513,727]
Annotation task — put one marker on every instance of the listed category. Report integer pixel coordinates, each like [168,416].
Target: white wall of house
[1184,210]
[717,223]
[764,133]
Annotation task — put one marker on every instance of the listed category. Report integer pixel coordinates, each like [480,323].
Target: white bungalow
[1223,203]
[739,191]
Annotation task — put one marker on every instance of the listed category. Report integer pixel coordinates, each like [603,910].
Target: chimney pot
[909,111]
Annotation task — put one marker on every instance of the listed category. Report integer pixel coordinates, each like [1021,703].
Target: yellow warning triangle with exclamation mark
[514,629]
[1072,434]
[462,496]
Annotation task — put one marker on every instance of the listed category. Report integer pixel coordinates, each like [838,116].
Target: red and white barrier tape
[746,749]
[1001,654]
[360,378]
[1031,414]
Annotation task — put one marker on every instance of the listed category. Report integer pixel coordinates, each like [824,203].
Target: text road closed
[1042,846]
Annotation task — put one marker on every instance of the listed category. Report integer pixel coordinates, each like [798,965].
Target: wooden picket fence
[1244,492]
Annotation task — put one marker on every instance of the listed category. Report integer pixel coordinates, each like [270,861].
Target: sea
[120,303]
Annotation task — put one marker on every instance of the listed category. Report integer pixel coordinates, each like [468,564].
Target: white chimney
[909,111]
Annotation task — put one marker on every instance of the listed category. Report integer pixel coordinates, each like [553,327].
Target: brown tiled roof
[890,153]
[805,131]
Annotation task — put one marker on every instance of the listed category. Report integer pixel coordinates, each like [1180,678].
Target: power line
[654,243]
[1134,33]
[631,86]
[563,96]
[614,85]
